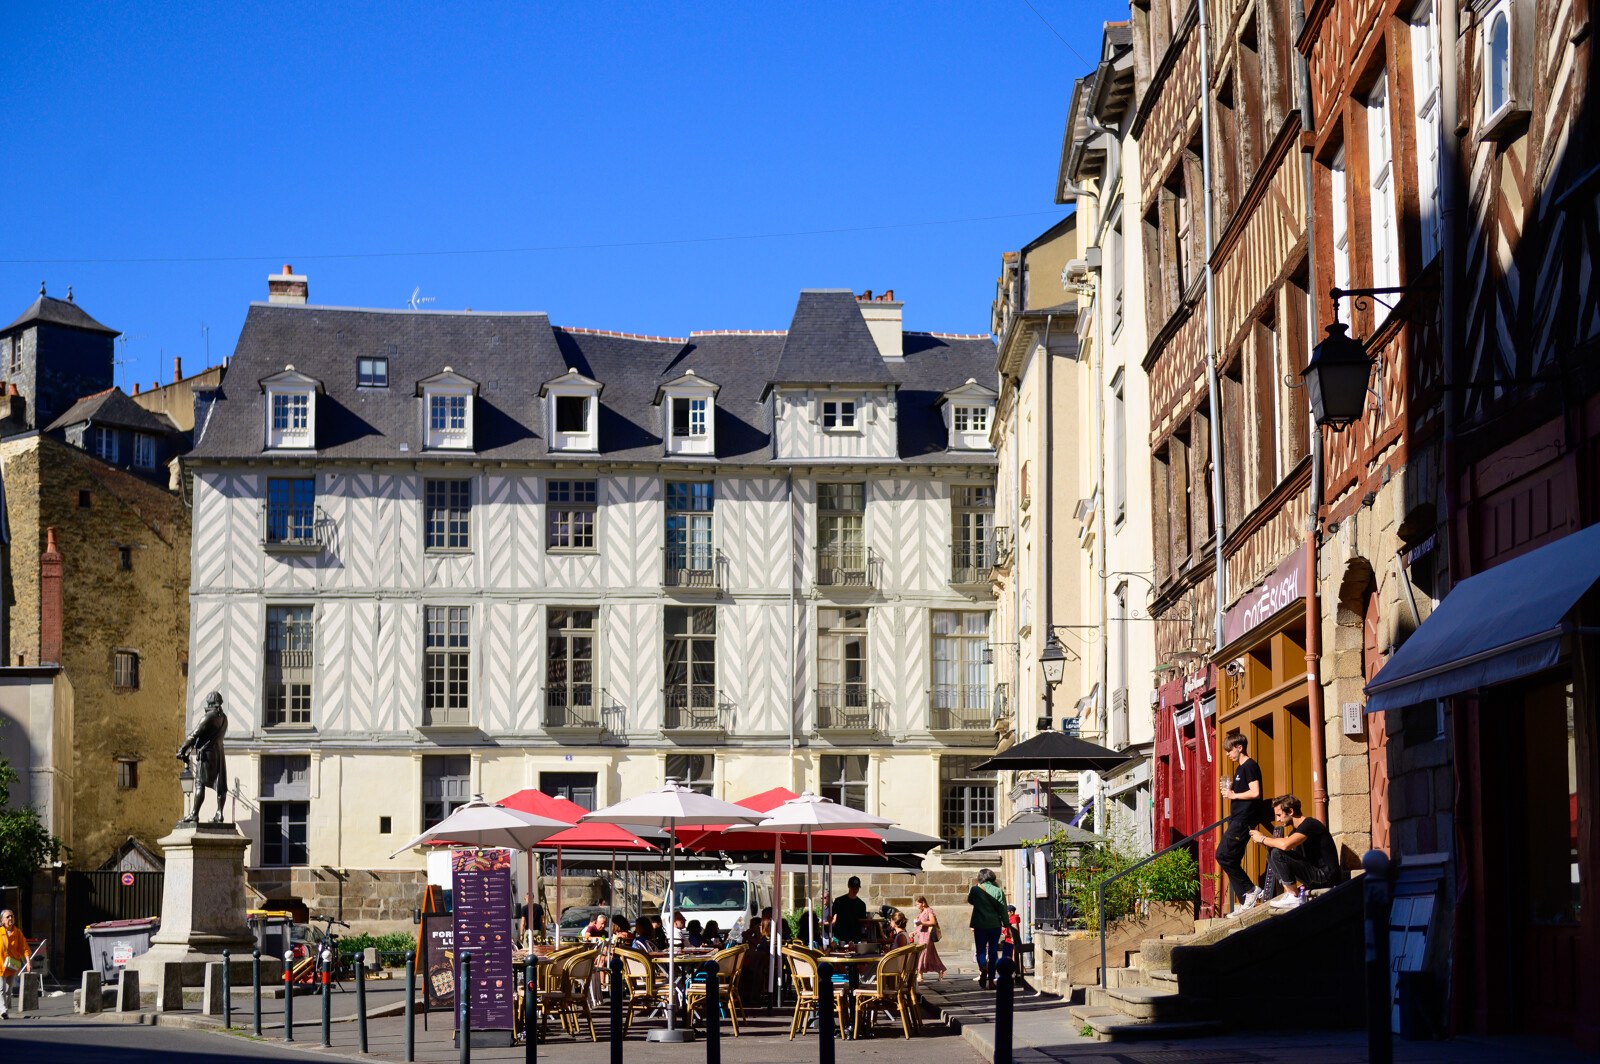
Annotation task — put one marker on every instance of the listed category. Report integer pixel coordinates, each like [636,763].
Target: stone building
[441,554]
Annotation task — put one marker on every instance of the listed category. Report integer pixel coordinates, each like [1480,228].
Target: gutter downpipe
[1314,695]
[1220,563]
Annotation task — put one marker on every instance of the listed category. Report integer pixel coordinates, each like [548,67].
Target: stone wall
[99,512]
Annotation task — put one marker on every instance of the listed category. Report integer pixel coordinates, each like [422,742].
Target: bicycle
[324,957]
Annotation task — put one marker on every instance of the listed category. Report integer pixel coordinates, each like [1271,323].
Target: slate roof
[829,343]
[111,407]
[53,311]
[511,354]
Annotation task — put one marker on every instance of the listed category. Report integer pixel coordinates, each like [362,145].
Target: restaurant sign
[1272,596]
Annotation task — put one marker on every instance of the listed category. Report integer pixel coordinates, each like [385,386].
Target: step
[1141,1002]
[1125,977]
[1110,1030]
[1161,979]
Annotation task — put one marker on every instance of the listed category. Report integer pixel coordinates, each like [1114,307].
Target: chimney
[177,369]
[50,601]
[288,287]
[884,319]
[135,387]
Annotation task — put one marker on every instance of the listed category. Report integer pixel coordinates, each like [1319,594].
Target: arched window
[1499,58]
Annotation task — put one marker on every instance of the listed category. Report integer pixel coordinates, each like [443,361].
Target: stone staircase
[1216,978]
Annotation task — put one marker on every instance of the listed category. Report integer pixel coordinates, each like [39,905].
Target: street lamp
[1336,378]
[1053,660]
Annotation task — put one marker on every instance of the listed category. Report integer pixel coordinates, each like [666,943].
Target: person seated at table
[712,935]
[848,917]
[811,930]
[597,927]
[654,936]
[679,935]
[694,935]
[899,935]
[621,932]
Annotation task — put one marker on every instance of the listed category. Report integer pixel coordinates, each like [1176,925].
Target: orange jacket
[13,944]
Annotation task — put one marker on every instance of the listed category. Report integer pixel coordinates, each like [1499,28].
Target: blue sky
[568,158]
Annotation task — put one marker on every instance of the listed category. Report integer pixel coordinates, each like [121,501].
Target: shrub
[1172,877]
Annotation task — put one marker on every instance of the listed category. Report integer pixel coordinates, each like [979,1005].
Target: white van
[732,899]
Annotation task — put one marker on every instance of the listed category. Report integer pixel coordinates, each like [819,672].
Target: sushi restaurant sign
[1272,596]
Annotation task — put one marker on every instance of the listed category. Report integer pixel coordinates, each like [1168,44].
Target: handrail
[1100,887]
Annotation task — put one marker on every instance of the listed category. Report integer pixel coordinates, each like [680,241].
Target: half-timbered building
[439,554]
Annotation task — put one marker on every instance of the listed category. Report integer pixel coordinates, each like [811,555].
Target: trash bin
[113,943]
[272,929]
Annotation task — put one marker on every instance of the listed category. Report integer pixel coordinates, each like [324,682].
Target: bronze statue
[208,762]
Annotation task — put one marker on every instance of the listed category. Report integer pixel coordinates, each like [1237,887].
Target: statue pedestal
[202,914]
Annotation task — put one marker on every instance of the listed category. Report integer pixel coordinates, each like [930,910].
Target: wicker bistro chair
[730,962]
[644,989]
[892,991]
[566,992]
[803,973]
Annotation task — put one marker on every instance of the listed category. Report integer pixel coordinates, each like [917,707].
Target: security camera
[1235,667]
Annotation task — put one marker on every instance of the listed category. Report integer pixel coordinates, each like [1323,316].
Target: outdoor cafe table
[685,962]
[852,963]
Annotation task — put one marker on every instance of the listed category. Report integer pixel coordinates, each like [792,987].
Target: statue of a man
[208,762]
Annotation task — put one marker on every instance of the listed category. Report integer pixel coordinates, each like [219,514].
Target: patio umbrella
[1053,751]
[812,815]
[667,807]
[482,825]
[1028,829]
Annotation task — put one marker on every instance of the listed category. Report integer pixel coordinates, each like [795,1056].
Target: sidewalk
[1042,1033]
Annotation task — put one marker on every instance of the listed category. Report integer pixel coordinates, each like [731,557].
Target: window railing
[971,565]
[696,711]
[692,569]
[851,707]
[573,707]
[846,566]
[293,527]
[960,707]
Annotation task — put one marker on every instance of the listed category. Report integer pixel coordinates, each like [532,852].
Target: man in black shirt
[1246,811]
[1305,855]
[849,912]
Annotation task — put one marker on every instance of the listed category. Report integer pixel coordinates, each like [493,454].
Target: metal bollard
[411,1006]
[464,996]
[713,1014]
[1376,891]
[825,1014]
[530,1012]
[361,999]
[618,992]
[227,990]
[327,998]
[255,987]
[288,997]
[1004,1002]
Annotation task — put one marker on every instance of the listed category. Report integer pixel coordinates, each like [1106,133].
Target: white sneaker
[1286,900]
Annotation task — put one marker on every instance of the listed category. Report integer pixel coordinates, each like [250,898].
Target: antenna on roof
[121,361]
[417,298]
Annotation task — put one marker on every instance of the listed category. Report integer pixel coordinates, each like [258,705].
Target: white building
[438,554]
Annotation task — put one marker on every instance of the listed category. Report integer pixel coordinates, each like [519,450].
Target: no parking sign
[127,879]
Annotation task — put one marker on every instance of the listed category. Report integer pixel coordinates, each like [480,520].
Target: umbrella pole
[529,910]
[774,947]
[810,924]
[558,898]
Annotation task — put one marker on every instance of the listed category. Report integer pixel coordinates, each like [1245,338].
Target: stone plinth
[202,913]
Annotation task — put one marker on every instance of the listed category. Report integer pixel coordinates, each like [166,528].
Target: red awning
[590,836]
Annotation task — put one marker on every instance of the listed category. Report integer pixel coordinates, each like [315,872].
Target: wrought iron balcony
[846,566]
[961,708]
[571,708]
[294,528]
[850,707]
[698,712]
[693,569]
[971,565]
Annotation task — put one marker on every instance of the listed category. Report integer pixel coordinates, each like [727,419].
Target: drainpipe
[1460,565]
[1314,700]
[1220,579]
[1047,499]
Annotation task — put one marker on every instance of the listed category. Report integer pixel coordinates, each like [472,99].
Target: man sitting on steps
[1305,855]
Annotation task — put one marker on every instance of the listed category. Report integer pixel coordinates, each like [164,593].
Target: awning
[1495,627]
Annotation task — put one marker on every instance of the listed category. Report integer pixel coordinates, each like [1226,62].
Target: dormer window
[689,407]
[838,413]
[447,411]
[968,415]
[1506,47]
[291,410]
[572,410]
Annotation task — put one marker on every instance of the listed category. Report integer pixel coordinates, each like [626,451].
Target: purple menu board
[482,907]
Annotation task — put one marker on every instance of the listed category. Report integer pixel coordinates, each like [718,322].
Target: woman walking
[14,958]
[988,903]
[927,935]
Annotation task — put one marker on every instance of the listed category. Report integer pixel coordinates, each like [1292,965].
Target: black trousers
[1230,855]
[1292,869]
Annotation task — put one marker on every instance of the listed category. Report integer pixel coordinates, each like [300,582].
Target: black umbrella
[1055,752]
[1029,829]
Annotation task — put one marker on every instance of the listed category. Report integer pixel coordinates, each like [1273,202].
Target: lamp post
[1336,378]
[1053,661]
